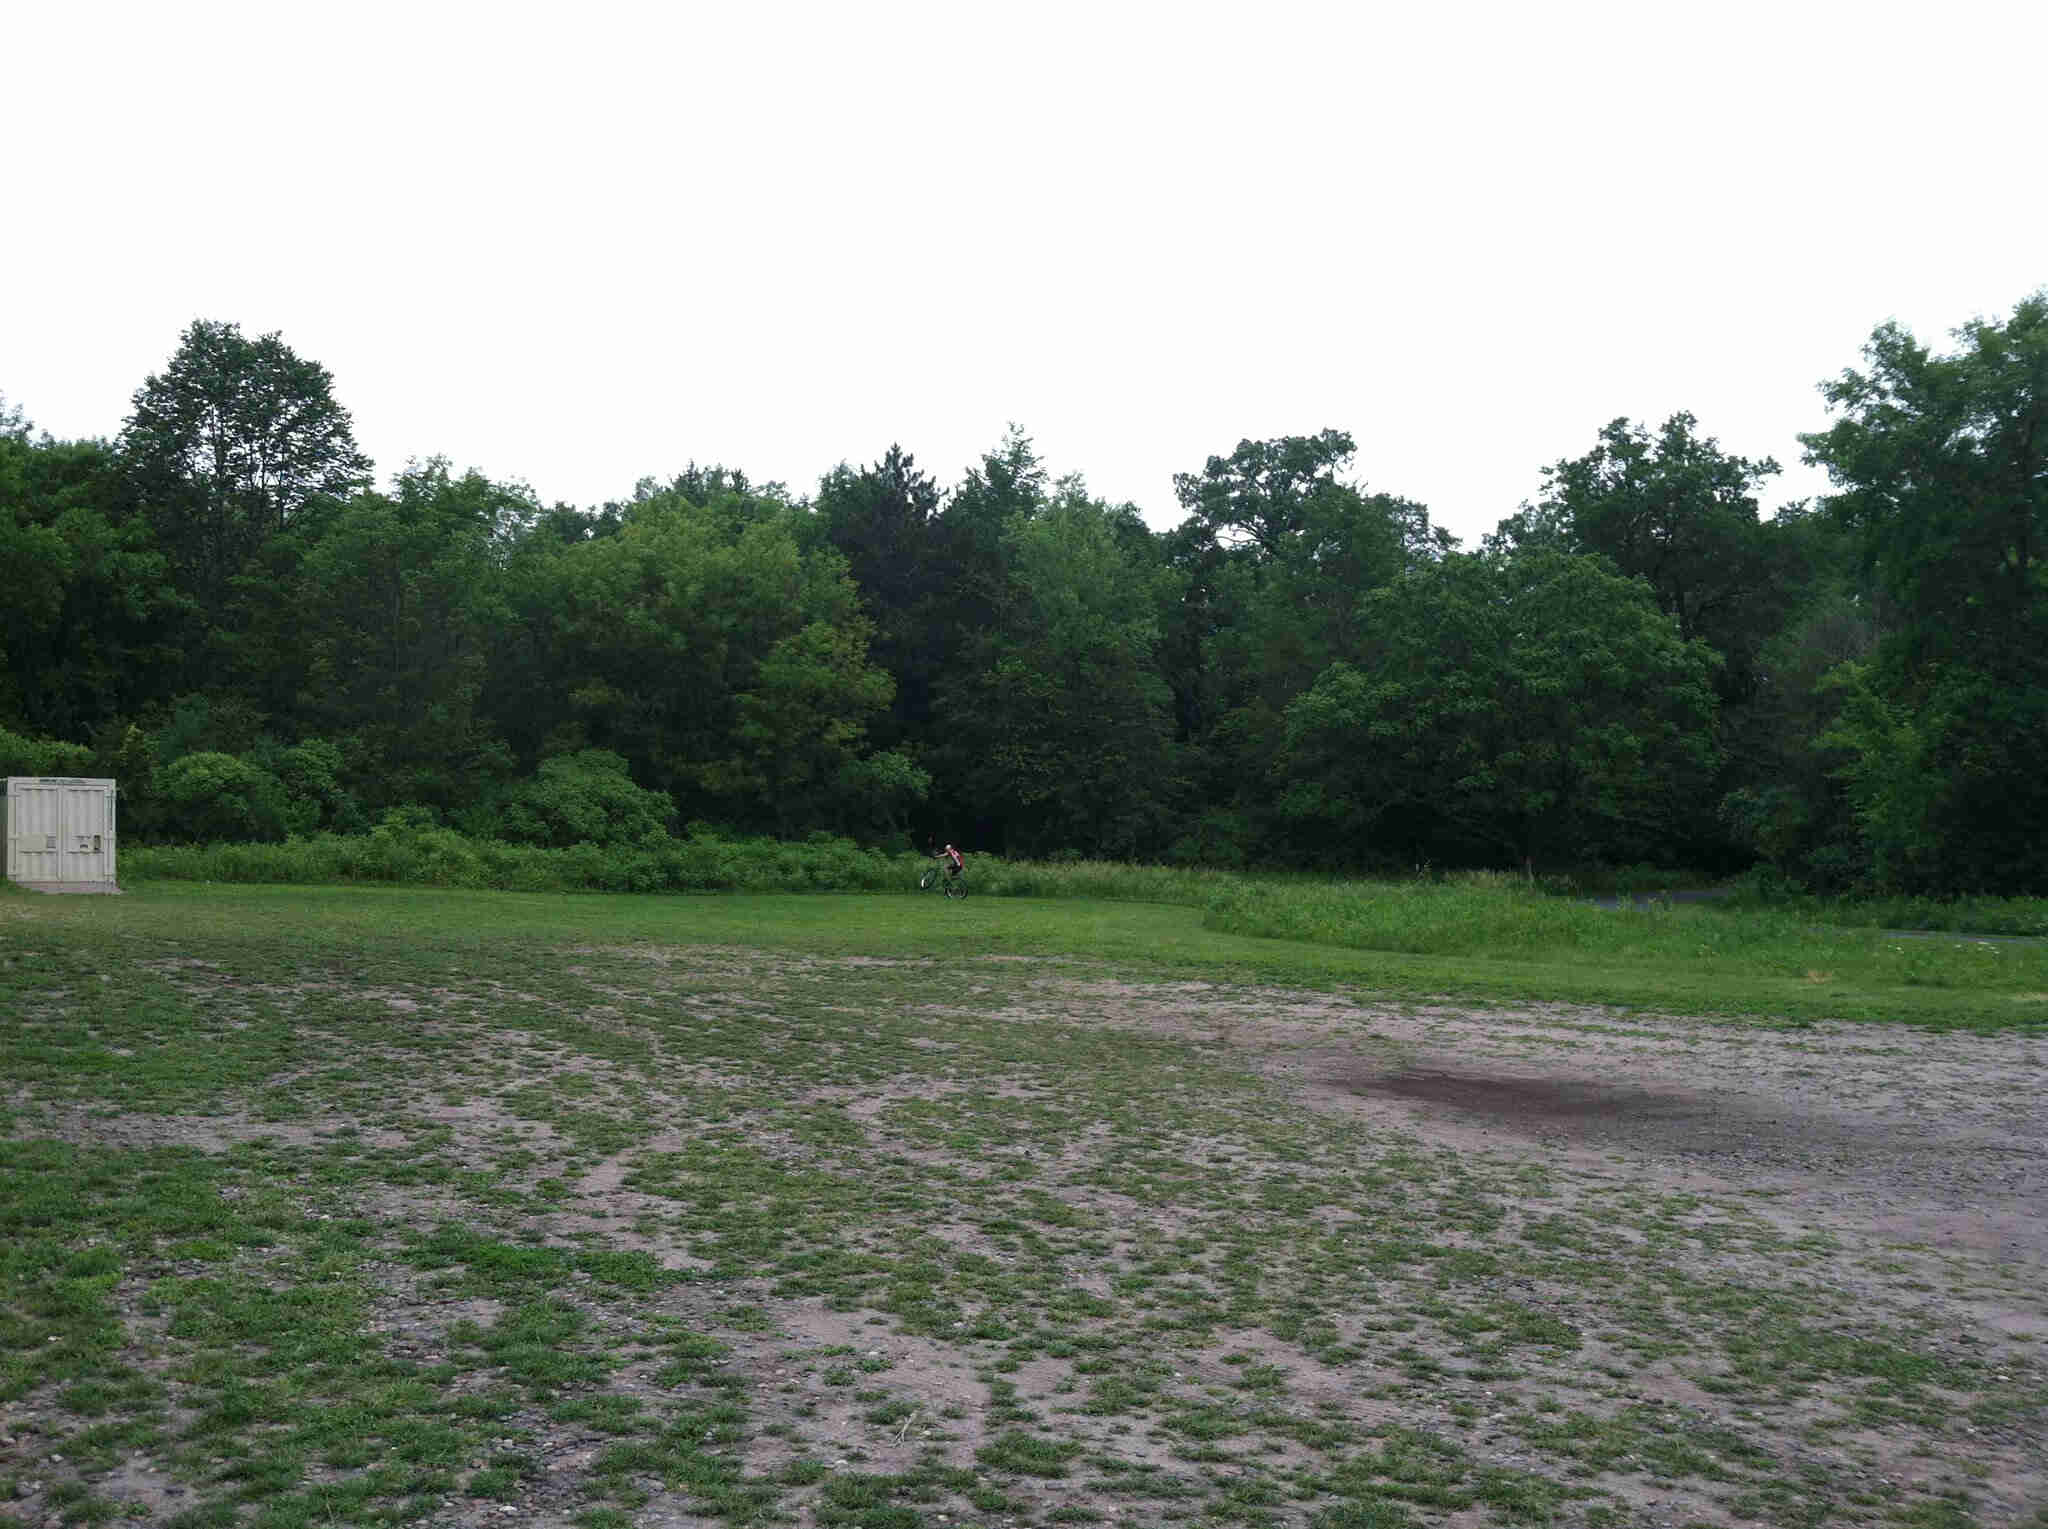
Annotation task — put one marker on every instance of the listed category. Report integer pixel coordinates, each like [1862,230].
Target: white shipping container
[60,833]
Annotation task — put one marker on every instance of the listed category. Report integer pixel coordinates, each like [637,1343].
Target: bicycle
[955,885]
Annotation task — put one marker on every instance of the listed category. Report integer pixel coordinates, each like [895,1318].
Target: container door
[35,830]
[87,838]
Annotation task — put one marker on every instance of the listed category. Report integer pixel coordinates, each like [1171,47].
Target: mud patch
[1681,1122]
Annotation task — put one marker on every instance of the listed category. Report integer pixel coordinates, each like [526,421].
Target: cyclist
[953,861]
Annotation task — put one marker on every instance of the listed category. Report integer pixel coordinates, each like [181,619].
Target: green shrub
[207,797]
[42,756]
[408,847]
[582,798]
[310,773]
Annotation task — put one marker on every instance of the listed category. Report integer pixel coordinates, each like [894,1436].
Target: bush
[408,847]
[582,798]
[42,756]
[310,772]
[219,797]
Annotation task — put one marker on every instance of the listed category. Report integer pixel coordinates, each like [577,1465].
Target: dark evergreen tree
[883,522]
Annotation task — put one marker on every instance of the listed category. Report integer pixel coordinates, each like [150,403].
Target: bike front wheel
[927,881]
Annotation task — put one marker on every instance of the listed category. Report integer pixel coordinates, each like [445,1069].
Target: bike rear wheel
[957,887]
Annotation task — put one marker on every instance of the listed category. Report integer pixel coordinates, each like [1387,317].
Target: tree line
[222,610]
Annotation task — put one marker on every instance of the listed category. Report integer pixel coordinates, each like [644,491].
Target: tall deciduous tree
[398,598]
[89,623]
[710,649]
[1538,705]
[1941,462]
[232,440]
[1675,510]
[1942,467]
[1061,734]
[1277,552]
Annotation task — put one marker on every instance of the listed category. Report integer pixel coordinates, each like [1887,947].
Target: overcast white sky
[576,245]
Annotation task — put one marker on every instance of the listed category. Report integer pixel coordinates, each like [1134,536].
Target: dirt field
[1242,1255]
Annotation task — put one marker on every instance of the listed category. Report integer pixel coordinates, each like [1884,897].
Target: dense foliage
[222,611]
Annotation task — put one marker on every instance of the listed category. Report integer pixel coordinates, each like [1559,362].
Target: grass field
[366,1205]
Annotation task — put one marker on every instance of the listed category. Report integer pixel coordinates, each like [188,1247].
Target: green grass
[348,1204]
[1491,943]
[2014,916]
[1474,935]
[1697,959]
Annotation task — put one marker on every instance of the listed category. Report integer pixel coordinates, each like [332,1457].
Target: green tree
[880,792]
[803,721]
[90,626]
[1941,467]
[1007,487]
[883,520]
[228,444]
[1061,732]
[1539,707]
[390,625]
[1276,554]
[685,643]
[1674,510]
[1792,807]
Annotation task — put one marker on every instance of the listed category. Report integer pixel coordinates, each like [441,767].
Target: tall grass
[1974,915]
[439,857]
[702,863]
[1497,918]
